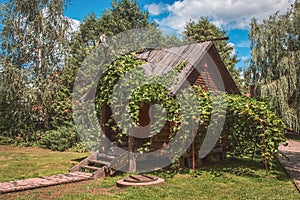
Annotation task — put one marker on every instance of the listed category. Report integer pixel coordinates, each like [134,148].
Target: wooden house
[204,68]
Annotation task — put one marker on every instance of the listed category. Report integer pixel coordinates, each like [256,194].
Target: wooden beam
[215,39]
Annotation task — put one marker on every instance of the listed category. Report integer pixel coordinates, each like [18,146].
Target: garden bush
[61,139]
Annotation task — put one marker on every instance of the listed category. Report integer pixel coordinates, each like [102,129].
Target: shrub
[61,139]
[5,140]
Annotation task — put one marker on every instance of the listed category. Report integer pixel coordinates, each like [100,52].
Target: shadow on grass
[235,166]
[244,167]
[250,168]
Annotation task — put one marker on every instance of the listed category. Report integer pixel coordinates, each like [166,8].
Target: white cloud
[243,44]
[228,14]
[74,24]
[156,9]
[244,58]
[233,53]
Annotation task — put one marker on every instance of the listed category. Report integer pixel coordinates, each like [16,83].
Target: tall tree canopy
[274,73]
[33,40]
[124,15]
[203,29]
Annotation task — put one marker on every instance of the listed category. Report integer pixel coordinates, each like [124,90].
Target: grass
[26,162]
[234,179]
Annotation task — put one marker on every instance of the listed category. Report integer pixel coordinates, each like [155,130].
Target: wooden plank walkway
[290,160]
[32,183]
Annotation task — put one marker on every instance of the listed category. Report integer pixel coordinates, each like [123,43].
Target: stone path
[31,183]
[290,160]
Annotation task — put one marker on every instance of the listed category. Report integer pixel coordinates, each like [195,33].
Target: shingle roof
[159,62]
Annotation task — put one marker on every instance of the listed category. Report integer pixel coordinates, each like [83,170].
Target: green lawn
[26,162]
[235,179]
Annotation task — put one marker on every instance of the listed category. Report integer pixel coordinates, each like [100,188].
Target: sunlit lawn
[26,162]
[235,179]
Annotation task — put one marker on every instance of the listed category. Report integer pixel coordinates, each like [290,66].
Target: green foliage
[37,86]
[248,123]
[89,29]
[112,74]
[274,71]
[34,39]
[124,15]
[36,91]
[6,140]
[152,91]
[111,23]
[83,43]
[61,105]
[59,140]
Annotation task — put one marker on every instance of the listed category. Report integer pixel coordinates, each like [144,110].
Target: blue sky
[233,16]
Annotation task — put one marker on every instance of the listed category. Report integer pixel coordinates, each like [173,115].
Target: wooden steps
[98,162]
[97,165]
[92,168]
[93,165]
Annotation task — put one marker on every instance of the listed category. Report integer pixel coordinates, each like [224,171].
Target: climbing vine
[153,91]
[251,128]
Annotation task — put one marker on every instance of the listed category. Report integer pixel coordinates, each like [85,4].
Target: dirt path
[290,160]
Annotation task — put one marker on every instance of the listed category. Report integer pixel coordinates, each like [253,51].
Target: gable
[204,66]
